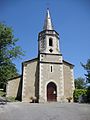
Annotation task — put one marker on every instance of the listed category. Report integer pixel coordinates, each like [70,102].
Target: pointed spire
[48,22]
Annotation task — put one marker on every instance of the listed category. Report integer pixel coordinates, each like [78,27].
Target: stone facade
[13,88]
[68,80]
[47,77]
[30,80]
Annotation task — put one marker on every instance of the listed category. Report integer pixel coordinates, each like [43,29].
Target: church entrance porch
[51,92]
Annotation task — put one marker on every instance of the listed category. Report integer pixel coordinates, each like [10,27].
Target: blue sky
[71,19]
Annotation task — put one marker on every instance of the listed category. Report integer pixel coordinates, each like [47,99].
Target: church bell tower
[48,38]
[50,63]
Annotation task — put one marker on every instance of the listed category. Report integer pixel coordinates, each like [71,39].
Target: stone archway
[51,92]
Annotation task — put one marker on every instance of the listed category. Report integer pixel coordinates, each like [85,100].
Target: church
[48,77]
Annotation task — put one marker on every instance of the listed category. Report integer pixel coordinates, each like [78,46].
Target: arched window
[50,42]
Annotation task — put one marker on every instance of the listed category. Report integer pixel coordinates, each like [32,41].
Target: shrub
[88,94]
[78,93]
[2,93]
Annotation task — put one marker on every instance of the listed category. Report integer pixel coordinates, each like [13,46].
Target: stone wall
[13,88]
[46,75]
[51,58]
[68,80]
[30,80]
[44,37]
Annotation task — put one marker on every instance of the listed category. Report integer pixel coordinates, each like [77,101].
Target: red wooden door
[51,92]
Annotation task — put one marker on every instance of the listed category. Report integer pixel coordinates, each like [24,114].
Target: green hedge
[78,92]
[2,93]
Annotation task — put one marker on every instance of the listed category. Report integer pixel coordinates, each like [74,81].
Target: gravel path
[47,111]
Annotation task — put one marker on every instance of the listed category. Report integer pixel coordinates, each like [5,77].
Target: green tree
[8,52]
[80,83]
[87,68]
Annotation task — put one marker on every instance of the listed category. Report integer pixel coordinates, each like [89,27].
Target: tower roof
[48,22]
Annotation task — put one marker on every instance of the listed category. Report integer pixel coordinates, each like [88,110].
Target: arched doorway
[51,92]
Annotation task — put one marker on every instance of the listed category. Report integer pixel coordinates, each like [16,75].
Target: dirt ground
[46,111]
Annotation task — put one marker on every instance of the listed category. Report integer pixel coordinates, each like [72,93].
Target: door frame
[53,96]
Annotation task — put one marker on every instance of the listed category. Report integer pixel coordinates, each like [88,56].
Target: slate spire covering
[48,22]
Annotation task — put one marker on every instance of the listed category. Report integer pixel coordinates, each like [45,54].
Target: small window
[51,68]
[50,42]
